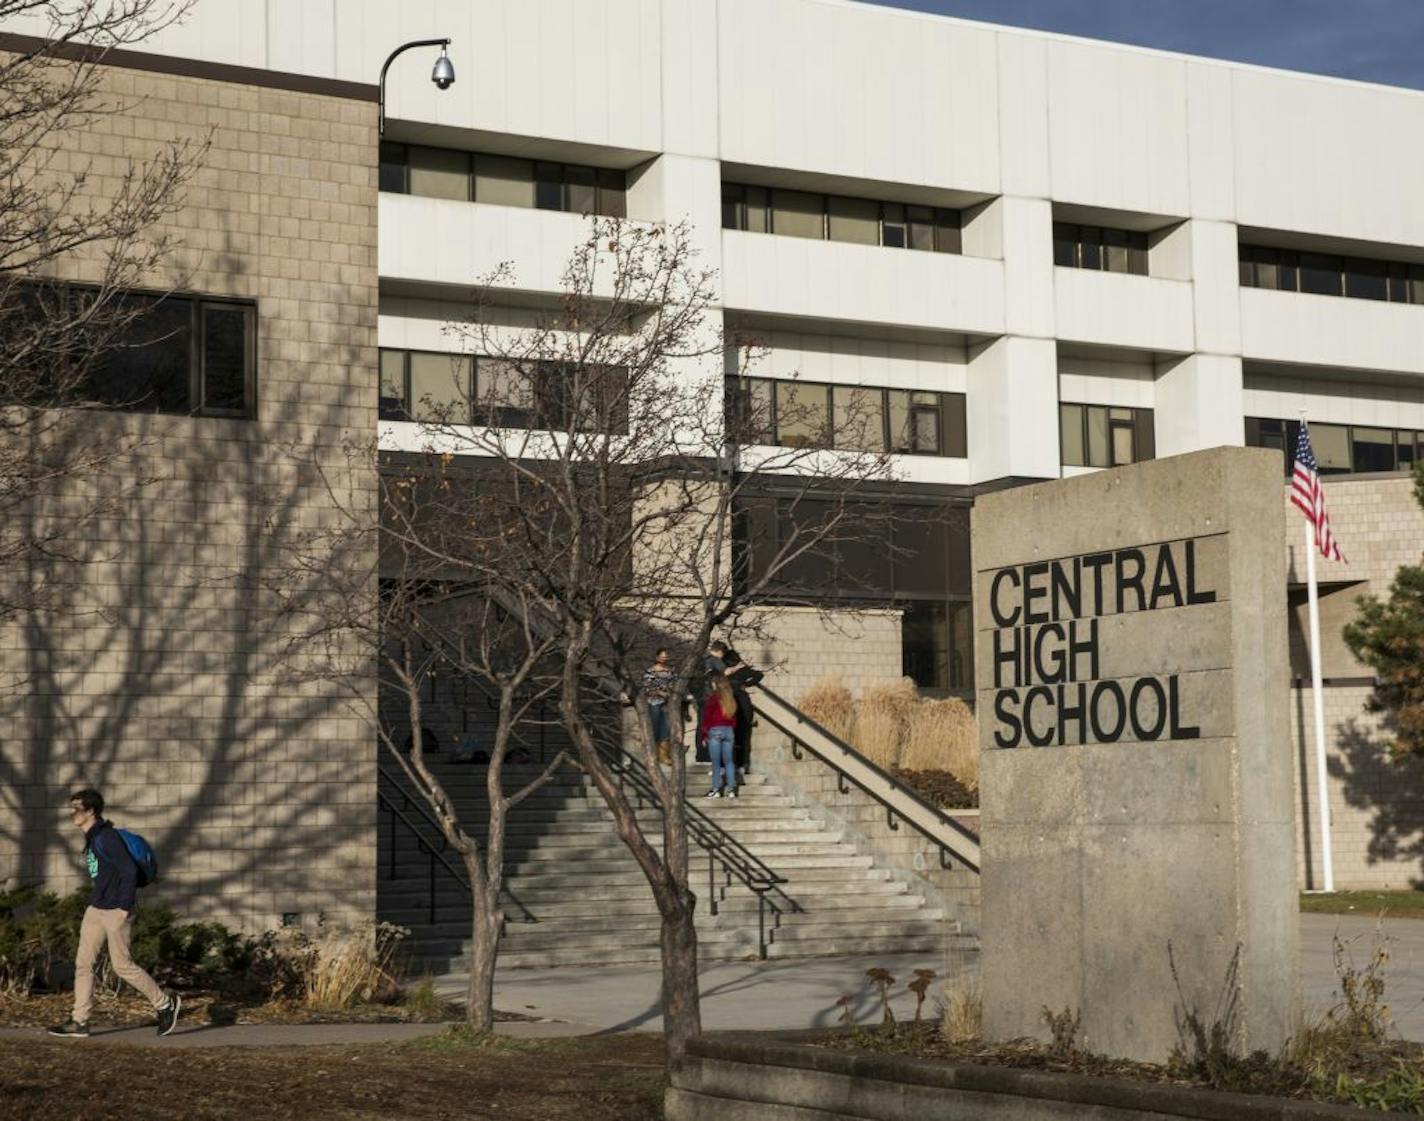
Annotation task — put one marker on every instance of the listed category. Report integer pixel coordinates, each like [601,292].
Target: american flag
[1309,495]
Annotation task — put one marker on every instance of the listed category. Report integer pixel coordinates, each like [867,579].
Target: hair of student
[718,647]
[725,697]
[90,799]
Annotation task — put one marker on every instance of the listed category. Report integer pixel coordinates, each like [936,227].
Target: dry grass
[828,702]
[942,736]
[336,968]
[882,719]
[962,1012]
[895,728]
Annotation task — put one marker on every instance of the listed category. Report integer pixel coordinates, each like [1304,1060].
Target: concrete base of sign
[1119,847]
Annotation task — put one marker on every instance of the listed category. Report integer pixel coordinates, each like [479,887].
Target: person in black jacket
[108,919]
[742,678]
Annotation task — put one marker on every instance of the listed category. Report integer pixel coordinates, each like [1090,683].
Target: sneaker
[731,794]
[168,1014]
[71,1029]
[714,794]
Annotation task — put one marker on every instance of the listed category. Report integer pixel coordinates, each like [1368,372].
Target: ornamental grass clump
[942,736]
[829,703]
[882,719]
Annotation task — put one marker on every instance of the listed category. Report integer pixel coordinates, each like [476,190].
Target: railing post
[711,882]
[432,887]
[761,924]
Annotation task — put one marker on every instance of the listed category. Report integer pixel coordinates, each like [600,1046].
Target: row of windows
[445,173]
[1330,274]
[1099,247]
[459,388]
[776,210]
[1340,449]
[800,414]
[1104,435]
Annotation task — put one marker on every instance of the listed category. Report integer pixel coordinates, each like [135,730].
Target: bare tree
[391,581]
[62,223]
[613,471]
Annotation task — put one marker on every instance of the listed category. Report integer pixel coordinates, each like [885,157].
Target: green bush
[39,935]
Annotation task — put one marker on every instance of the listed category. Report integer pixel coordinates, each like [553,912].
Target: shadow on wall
[1391,792]
[153,668]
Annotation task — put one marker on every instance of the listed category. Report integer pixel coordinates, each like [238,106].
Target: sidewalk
[763,996]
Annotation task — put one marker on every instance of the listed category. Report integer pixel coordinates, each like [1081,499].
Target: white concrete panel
[1027,226]
[1328,157]
[1117,309]
[438,241]
[1332,331]
[1209,135]
[1199,404]
[1013,410]
[581,70]
[1216,287]
[847,360]
[1353,402]
[861,283]
[301,36]
[1023,115]
[1118,128]
[1100,381]
[689,77]
[673,189]
[858,90]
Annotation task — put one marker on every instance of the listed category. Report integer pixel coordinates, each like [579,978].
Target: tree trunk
[682,1006]
[486,926]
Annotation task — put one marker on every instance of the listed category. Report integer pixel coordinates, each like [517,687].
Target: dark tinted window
[225,349]
[1104,435]
[841,218]
[1097,247]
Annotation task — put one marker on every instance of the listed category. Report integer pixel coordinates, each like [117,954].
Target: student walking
[108,919]
[719,721]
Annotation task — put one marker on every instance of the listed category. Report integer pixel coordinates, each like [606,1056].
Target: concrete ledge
[776,1078]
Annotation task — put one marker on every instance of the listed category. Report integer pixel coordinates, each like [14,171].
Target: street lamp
[443,75]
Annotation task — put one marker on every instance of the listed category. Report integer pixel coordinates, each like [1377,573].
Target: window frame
[945,224]
[1077,237]
[1140,423]
[1259,429]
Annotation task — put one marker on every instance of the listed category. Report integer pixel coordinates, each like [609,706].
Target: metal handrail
[424,845]
[947,849]
[719,845]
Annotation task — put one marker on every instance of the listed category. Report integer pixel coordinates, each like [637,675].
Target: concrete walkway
[764,996]
[759,996]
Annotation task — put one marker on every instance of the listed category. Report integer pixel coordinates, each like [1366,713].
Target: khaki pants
[115,928]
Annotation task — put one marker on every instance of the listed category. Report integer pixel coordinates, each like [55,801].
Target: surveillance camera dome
[444,73]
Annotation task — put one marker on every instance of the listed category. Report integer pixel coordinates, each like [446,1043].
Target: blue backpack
[142,853]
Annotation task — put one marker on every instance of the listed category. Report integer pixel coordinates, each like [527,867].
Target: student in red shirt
[719,722]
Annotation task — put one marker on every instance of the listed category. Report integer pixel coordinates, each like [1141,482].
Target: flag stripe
[1308,495]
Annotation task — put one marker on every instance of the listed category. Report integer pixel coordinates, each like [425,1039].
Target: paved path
[757,996]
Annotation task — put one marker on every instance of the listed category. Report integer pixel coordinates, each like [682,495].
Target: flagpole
[1318,703]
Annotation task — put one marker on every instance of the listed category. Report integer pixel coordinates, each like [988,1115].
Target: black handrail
[719,845]
[424,845]
[842,777]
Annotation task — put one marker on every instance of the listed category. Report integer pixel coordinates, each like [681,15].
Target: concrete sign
[1136,786]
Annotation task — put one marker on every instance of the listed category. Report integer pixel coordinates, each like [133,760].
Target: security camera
[444,73]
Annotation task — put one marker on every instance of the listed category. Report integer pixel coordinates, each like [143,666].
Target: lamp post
[443,75]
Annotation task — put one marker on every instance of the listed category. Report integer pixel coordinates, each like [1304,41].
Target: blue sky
[1372,40]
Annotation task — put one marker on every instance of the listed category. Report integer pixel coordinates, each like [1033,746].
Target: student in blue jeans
[719,723]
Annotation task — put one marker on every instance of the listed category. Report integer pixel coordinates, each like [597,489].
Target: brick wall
[1376,807]
[157,675]
[797,646]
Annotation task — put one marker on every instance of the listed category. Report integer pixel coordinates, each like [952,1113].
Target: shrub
[882,718]
[829,704]
[332,969]
[961,1012]
[943,736]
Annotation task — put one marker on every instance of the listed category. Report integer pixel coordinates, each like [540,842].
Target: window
[864,418]
[1329,274]
[180,354]
[458,389]
[1096,247]
[502,180]
[1104,435]
[840,218]
[1340,449]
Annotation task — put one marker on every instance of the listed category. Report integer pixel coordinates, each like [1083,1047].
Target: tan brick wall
[797,646]
[1376,807]
[158,677]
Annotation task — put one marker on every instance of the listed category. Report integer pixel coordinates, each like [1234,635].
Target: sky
[1370,40]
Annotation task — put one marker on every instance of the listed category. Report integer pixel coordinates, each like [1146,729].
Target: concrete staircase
[576,897]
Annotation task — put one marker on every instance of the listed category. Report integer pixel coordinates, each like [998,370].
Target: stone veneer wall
[1377,807]
[800,645]
[156,676]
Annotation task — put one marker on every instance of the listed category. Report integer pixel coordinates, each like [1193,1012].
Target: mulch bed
[605,1078]
[939,788]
